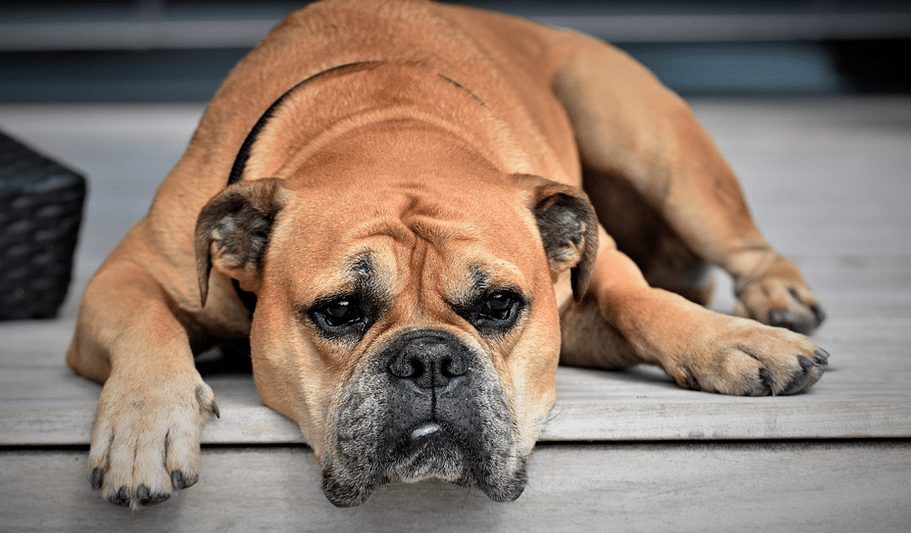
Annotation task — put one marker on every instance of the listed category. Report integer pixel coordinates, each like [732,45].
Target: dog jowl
[427,406]
[414,212]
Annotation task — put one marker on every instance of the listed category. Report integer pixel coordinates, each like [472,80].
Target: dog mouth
[431,450]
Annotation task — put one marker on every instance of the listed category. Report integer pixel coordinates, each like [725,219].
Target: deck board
[865,394]
[828,181]
[660,487]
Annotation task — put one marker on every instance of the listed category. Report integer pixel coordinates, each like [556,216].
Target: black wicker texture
[40,213]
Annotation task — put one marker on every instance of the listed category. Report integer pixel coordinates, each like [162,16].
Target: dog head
[406,315]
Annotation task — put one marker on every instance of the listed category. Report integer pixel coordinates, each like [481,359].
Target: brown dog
[398,188]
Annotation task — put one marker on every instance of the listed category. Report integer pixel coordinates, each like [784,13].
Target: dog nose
[428,361]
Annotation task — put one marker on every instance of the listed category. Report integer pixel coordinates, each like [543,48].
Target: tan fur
[416,158]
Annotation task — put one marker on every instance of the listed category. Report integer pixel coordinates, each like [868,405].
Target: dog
[413,212]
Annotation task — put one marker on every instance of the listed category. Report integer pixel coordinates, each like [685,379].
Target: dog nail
[781,319]
[189,481]
[122,497]
[207,401]
[177,479]
[767,379]
[97,475]
[805,363]
[818,313]
[142,494]
[821,356]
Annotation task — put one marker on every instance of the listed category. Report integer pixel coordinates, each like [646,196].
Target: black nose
[428,360]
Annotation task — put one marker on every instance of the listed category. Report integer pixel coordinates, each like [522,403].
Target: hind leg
[629,126]
[589,341]
[642,234]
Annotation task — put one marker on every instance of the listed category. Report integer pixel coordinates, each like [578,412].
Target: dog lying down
[414,212]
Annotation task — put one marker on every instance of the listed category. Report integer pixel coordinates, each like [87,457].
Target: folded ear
[233,229]
[568,226]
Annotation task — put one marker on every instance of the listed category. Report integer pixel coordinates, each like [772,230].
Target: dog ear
[232,231]
[568,226]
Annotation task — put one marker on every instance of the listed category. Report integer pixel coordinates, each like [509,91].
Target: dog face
[408,322]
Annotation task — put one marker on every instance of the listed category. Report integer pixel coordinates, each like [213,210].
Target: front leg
[145,442]
[698,348]
[632,128]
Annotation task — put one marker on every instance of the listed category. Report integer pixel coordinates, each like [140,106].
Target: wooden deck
[829,181]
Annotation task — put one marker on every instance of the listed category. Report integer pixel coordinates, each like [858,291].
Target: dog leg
[629,126]
[623,321]
[642,234]
[145,442]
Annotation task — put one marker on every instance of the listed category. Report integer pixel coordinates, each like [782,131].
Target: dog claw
[206,399]
[818,313]
[97,476]
[189,481]
[121,497]
[180,481]
[821,357]
[801,377]
[794,321]
[142,494]
[145,496]
[766,378]
[777,318]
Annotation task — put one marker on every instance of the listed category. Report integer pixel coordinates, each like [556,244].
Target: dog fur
[419,155]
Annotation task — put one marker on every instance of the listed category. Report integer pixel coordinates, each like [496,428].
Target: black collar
[240,162]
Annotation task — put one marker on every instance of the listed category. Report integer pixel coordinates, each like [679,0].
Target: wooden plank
[734,487]
[866,394]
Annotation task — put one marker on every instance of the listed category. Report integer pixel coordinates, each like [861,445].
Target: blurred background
[803,91]
[179,50]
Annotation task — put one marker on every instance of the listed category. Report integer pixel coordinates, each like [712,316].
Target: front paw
[145,442]
[780,297]
[750,359]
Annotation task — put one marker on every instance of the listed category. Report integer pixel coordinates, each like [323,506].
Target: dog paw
[781,298]
[751,359]
[145,443]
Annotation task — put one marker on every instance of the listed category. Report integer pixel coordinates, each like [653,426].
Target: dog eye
[497,311]
[498,306]
[341,312]
[341,316]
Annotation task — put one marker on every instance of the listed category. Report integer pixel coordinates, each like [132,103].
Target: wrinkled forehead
[356,240]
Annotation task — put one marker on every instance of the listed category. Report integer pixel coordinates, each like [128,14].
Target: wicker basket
[40,212]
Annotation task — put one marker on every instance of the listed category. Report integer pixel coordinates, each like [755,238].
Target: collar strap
[243,155]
